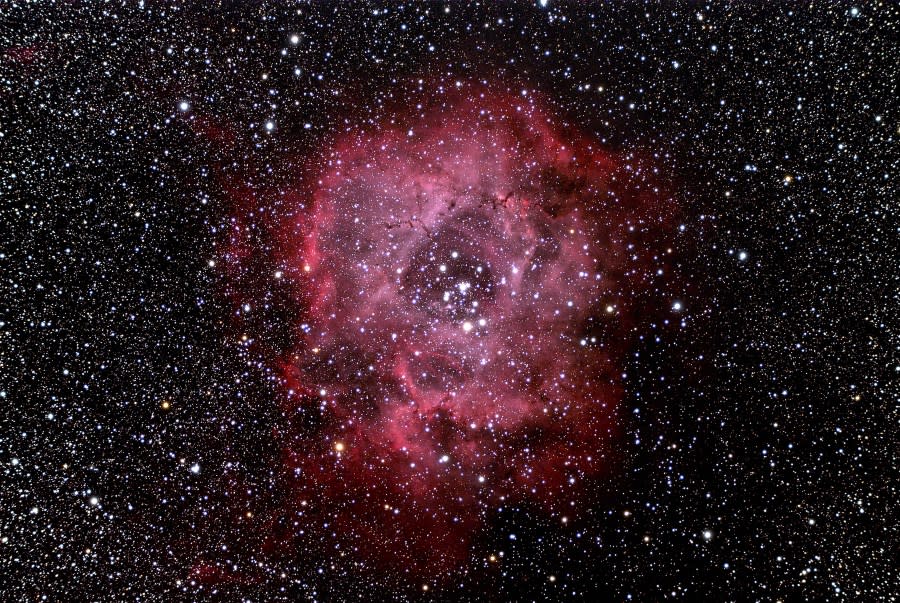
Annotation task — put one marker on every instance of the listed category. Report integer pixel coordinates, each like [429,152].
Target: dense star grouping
[430,301]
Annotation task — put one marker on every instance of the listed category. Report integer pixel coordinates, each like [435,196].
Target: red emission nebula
[463,280]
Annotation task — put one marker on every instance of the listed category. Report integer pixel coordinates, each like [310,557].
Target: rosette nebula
[463,280]
[462,302]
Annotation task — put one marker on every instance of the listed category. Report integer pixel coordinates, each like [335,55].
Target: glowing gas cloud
[464,276]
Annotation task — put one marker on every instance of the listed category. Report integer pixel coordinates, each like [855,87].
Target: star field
[534,301]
